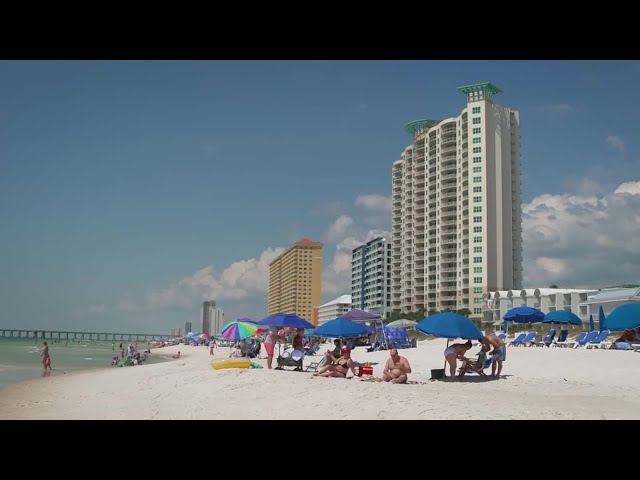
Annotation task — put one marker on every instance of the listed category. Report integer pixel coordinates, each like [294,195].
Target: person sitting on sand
[454,352]
[341,367]
[397,368]
[176,356]
[334,355]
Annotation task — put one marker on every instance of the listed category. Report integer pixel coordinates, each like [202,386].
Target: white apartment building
[334,309]
[371,277]
[456,208]
[495,304]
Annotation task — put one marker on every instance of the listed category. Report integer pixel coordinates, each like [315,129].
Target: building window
[477,249]
[477,279]
[477,300]
[477,289]
[475,110]
[476,120]
[477,260]
[477,179]
[477,229]
[477,169]
[477,189]
[477,310]
[477,239]
[477,269]
[477,219]
[476,130]
[477,199]
[477,149]
[477,159]
[477,140]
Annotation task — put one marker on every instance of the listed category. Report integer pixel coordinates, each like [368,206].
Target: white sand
[549,383]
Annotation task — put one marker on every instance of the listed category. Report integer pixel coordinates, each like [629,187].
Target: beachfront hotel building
[334,309]
[496,304]
[371,277]
[295,280]
[187,328]
[212,318]
[456,208]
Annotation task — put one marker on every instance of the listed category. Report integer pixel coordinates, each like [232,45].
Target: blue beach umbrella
[624,317]
[601,320]
[449,325]
[592,326]
[339,328]
[562,317]
[524,315]
[285,320]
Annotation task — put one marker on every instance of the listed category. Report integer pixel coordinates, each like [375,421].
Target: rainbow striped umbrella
[237,330]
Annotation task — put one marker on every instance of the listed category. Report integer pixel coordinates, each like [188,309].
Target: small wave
[88,358]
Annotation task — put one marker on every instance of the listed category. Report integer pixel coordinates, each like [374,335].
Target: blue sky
[120,179]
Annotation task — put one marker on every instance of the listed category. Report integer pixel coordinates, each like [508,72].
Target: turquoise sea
[20,357]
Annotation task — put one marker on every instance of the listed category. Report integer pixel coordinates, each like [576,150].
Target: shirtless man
[499,352]
[396,368]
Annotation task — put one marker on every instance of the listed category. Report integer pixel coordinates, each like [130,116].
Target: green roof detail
[413,127]
[480,91]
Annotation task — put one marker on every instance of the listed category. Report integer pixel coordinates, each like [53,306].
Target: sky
[132,190]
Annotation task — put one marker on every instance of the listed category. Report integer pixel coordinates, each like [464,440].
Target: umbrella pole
[445,361]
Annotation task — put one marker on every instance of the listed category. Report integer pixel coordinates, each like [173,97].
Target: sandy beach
[538,383]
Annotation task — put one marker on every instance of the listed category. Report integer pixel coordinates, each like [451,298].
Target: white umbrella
[402,323]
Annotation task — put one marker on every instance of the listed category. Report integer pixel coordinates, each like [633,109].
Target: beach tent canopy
[449,325]
[562,317]
[359,316]
[286,320]
[402,323]
[624,317]
[524,315]
[340,328]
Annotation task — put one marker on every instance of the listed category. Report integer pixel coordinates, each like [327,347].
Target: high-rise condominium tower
[456,213]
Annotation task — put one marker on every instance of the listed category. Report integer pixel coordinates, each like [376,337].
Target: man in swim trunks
[396,369]
[498,354]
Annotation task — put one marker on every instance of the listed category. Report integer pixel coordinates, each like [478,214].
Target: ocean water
[20,357]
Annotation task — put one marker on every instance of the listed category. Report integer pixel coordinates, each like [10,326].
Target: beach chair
[562,339]
[597,341]
[502,336]
[518,340]
[312,350]
[529,340]
[314,366]
[585,339]
[571,343]
[546,341]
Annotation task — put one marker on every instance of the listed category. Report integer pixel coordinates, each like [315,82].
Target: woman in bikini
[46,359]
[341,367]
[455,352]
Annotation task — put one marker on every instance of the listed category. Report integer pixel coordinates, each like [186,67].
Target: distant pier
[63,335]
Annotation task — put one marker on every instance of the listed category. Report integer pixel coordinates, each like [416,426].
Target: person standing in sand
[270,339]
[498,354]
[396,369]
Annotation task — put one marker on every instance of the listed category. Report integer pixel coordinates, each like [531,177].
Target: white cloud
[374,202]
[582,240]
[339,229]
[556,107]
[240,280]
[616,141]
[97,308]
[632,188]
